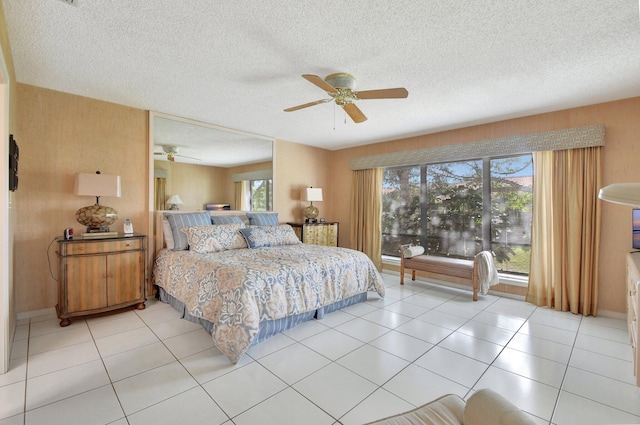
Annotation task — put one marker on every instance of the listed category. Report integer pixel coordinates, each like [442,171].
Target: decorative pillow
[219,237]
[412,251]
[263,219]
[260,236]
[223,219]
[166,232]
[179,220]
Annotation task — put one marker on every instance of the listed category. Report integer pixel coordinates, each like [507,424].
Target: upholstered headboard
[159,240]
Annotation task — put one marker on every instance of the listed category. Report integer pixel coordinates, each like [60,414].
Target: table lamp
[97,217]
[174,201]
[312,194]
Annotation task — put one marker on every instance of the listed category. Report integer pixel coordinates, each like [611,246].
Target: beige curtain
[160,194]
[565,234]
[241,196]
[366,213]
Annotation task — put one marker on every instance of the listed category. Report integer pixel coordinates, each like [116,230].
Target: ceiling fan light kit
[342,89]
[341,80]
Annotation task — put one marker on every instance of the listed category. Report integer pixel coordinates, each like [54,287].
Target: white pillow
[412,251]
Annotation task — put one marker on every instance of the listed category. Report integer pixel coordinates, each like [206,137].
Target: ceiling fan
[171,152]
[342,89]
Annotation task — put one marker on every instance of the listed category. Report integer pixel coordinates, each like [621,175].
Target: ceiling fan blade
[397,93]
[314,79]
[354,112]
[306,105]
[189,157]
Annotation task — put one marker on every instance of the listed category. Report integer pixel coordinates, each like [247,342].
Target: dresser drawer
[633,307]
[102,246]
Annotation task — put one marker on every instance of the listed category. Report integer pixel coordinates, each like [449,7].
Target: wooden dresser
[98,275]
[633,307]
[317,233]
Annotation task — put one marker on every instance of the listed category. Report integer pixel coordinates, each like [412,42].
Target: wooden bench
[444,268]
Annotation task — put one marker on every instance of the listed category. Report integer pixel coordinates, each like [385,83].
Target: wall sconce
[97,217]
[621,193]
[174,201]
[312,194]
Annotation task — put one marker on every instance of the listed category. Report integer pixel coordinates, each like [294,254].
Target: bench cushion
[441,265]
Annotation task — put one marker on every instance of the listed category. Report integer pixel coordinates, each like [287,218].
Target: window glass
[400,208]
[511,212]
[261,195]
[454,209]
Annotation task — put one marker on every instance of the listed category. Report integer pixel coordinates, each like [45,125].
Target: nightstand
[98,275]
[317,233]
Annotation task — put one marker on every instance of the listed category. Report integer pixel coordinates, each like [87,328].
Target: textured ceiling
[237,63]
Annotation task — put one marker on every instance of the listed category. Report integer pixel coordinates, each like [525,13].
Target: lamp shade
[313,194]
[621,193]
[175,200]
[88,184]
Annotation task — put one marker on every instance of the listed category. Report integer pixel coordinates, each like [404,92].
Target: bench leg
[476,285]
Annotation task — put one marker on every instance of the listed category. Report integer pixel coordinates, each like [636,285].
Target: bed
[246,280]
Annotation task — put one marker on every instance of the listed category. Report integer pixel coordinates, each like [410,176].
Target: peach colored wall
[620,164]
[297,167]
[196,185]
[60,135]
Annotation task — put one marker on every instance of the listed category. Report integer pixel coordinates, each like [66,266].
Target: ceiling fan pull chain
[334,117]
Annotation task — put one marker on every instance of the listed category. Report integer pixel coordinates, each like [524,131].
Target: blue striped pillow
[178,221]
[263,219]
[221,219]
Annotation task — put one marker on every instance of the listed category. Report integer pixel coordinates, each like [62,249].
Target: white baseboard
[36,313]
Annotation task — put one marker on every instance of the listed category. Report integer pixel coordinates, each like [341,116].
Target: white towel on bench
[487,272]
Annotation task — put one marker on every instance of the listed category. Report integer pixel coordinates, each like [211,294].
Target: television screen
[635,224]
[14,156]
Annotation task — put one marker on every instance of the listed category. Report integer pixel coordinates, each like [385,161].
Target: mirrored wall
[198,166]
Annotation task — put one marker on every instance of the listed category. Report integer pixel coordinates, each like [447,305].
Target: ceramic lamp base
[96,217]
[311,212]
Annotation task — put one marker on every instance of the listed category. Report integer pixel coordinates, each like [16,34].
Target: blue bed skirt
[270,327]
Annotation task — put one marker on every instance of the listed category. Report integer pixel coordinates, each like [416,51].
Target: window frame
[487,201]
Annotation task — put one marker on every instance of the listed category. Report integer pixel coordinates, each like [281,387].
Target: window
[458,209]
[261,195]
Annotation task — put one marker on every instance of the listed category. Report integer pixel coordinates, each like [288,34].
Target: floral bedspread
[237,289]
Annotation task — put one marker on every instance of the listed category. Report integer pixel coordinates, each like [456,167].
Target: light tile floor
[362,363]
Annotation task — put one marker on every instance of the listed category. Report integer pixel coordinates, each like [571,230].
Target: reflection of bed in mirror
[211,165]
[250,278]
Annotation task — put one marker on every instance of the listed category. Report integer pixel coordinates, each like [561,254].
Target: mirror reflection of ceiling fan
[342,89]
[171,152]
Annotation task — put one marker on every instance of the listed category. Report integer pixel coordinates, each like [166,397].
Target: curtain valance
[253,175]
[570,138]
